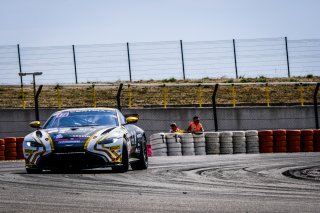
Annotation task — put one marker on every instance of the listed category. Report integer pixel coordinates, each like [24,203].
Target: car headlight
[33,144]
[109,140]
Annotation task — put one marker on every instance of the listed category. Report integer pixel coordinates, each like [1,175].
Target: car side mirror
[132,119]
[35,124]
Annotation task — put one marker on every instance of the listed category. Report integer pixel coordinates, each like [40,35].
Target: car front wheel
[125,160]
[143,158]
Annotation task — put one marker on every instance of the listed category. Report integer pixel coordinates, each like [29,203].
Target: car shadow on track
[70,171]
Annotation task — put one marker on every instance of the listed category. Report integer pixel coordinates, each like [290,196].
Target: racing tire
[239,134]
[125,161]
[212,134]
[252,139]
[238,139]
[34,170]
[250,133]
[143,160]
[174,153]
[212,140]
[187,145]
[226,150]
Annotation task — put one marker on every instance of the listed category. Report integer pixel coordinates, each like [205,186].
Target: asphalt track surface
[225,183]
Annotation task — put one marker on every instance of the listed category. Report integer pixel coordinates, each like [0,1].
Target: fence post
[129,97]
[129,62]
[235,57]
[200,95]
[23,102]
[119,96]
[315,105]
[301,94]
[165,94]
[214,107]
[287,53]
[36,104]
[94,98]
[233,91]
[75,64]
[182,59]
[268,95]
[19,60]
[58,96]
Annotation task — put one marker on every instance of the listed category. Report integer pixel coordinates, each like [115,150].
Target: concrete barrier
[14,122]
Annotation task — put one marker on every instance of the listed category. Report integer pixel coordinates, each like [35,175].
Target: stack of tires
[173,144]
[199,144]
[2,149]
[307,140]
[226,145]
[293,140]
[279,141]
[10,148]
[187,144]
[266,141]
[212,143]
[239,142]
[252,141]
[20,148]
[316,140]
[158,145]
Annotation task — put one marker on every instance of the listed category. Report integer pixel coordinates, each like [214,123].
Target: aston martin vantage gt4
[84,139]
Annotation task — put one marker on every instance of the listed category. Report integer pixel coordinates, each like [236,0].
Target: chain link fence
[271,57]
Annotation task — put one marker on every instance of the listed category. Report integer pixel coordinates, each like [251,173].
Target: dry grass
[83,96]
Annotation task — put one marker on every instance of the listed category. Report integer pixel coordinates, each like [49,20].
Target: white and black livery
[86,138]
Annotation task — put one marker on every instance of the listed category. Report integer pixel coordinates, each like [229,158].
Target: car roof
[87,109]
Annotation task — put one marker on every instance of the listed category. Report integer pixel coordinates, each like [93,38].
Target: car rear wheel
[125,160]
[143,158]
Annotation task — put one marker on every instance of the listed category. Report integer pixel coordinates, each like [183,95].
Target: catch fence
[172,60]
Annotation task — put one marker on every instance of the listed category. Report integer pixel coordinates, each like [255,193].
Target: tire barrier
[173,144]
[293,140]
[158,145]
[187,144]
[252,141]
[207,143]
[239,142]
[10,148]
[265,141]
[316,140]
[226,145]
[2,149]
[307,140]
[19,142]
[280,141]
[199,144]
[212,143]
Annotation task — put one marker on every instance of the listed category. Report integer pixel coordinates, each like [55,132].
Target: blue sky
[65,22]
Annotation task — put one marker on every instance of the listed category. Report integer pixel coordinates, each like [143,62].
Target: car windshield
[82,118]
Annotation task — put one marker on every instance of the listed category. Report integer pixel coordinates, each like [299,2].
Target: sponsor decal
[58,136]
[80,136]
[68,140]
[113,148]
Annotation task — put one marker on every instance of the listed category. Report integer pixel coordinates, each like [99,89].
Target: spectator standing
[174,128]
[195,126]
